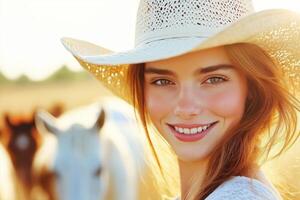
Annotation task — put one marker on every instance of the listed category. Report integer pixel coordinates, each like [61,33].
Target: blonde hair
[269,121]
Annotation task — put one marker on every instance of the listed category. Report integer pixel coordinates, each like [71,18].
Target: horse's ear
[45,122]
[33,116]
[100,120]
[7,121]
[57,109]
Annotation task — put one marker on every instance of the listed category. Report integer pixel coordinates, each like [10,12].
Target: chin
[191,155]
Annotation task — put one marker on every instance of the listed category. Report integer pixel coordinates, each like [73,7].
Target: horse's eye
[55,174]
[98,171]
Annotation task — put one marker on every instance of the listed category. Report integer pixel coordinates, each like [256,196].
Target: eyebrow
[151,70]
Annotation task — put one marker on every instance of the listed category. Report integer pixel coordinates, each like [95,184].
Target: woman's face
[193,99]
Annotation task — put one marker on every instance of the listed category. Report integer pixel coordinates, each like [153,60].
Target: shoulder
[243,188]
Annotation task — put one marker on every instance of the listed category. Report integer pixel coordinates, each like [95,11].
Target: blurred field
[21,99]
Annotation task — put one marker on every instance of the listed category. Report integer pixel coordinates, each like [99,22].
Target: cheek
[157,105]
[228,102]
[154,108]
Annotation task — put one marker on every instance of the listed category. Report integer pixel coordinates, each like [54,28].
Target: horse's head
[76,162]
[22,140]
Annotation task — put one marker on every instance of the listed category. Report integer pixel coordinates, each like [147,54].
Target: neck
[190,171]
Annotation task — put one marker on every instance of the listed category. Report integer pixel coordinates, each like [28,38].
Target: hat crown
[160,19]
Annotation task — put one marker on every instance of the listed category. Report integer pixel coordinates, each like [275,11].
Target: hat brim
[248,29]
[276,31]
[156,50]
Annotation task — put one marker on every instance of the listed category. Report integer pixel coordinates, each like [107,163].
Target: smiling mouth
[191,134]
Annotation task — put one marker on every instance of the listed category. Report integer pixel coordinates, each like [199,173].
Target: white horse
[7,176]
[96,152]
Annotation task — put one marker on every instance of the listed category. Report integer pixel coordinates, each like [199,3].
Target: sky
[30,30]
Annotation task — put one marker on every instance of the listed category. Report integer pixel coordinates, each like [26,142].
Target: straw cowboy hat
[169,28]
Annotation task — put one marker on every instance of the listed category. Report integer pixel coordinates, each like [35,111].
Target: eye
[55,174]
[98,171]
[215,80]
[48,175]
[162,82]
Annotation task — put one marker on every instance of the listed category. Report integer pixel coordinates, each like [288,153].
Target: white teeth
[199,129]
[181,130]
[186,131]
[192,130]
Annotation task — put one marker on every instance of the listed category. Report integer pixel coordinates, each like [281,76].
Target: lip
[190,125]
[192,137]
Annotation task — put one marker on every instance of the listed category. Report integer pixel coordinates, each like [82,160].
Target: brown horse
[22,141]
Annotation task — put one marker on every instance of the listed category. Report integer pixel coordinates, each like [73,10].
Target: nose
[188,104]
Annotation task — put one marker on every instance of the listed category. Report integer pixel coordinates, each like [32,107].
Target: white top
[242,188]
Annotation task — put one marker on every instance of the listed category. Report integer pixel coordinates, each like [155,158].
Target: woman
[217,81]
